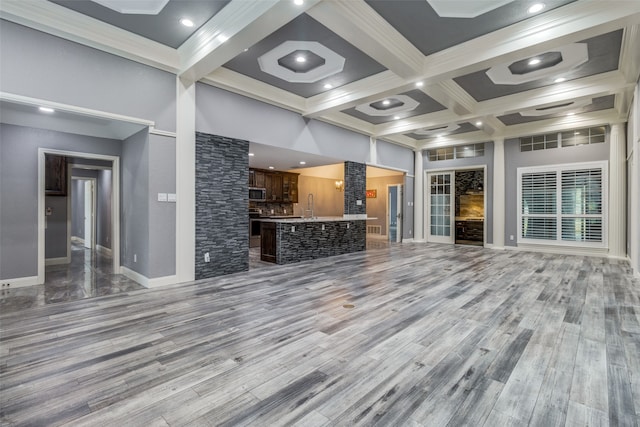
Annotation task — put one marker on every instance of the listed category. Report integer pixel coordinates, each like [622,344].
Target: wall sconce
[339,185]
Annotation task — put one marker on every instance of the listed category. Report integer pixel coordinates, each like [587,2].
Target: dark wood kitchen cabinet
[280,186]
[268,241]
[472,230]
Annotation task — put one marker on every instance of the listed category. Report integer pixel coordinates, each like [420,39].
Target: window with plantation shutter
[563,205]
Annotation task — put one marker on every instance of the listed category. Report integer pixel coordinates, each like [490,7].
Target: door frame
[452,226]
[400,206]
[115,204]
[94,206]
[426,212]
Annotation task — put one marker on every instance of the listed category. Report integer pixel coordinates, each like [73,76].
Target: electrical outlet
[285,211]
[322,227]
[347,226]
[511,237]
[207,257]
[272,211]
[135,257]
[293,228]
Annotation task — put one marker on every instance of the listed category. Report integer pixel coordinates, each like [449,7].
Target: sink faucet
[310,204]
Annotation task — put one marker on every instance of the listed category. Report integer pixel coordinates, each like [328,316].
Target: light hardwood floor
[438,335]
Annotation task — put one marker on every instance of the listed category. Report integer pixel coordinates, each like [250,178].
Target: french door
[440,207]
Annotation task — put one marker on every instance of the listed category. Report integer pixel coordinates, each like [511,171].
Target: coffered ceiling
[418,73]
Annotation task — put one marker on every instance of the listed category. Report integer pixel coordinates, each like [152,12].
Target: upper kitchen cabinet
[279,186]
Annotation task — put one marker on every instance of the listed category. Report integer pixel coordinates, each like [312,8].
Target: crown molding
[365,90]
[59,21]
[357,22]
[630,54]
[232,81]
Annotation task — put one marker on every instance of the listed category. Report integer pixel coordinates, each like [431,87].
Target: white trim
[57,261]
[451,238]
[19,282]
[558,169]
[156,282]
[104,250]
[115,203]
[134,275]
[154,131]
[561,250]
[499,193]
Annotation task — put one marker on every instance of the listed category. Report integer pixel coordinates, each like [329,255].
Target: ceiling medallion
[465,8]
[553,63]
[437,130]
[282,62]
[138,7]
[397,104]
[556,108]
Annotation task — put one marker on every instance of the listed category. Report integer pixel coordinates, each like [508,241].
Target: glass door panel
[440,207]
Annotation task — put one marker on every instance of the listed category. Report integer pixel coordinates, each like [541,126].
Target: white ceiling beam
[238,26]
[570,23]
[410,124]
[558,124]
[452,96]
[356,22]
[243,85]
[70,25]
[365,90]
[593,86]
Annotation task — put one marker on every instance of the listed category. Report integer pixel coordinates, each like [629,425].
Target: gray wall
[222,205]
[19,190]
[219,112]
[162,215]
[487,160]
[553,156]
[42,66]
[56,227]
[134,210]
[395,156]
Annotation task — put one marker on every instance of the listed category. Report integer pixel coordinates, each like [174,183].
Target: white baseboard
[20,282]
[104,250]
[57,261]
[407,240]
[157,282]
[145,281]
[77,239]
[560,250]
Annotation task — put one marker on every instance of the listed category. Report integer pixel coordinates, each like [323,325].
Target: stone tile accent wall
[222,205]
[310,241]
[355,188]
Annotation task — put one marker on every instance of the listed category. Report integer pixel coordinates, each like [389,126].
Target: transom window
[458,152]
[563,205]
[594,135]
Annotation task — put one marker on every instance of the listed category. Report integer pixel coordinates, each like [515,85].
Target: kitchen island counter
[290,240]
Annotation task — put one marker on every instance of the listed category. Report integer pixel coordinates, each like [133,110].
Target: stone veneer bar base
[309,241]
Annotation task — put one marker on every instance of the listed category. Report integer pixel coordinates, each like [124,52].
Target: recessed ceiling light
[246,49]
[386,102]
[576,133]
[396,117]
[298,2]
[440,135]
[271,167]
[187,22]
[570,114]
[478,123]
[419,84]
[328,86]
[302,162]
[536,7]
[223,38]
[300,58]
[559,80]
[534,61]
[46,109]
[251,154]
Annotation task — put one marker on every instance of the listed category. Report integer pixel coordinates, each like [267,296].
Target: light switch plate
[171,197]
[359,202]
[162,197]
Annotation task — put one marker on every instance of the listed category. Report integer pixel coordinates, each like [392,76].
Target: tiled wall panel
[222,205]
[355,188]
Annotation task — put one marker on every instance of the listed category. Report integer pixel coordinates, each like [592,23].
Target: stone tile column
[355,188]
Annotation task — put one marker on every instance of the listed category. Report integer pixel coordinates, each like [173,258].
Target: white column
[418,197]
[617,193]
[498,193]
[185,180]
[373,151]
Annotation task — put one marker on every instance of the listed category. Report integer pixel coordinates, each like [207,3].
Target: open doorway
[83,211]
[455,206]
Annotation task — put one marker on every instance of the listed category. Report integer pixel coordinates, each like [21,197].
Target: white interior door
[394,213]
[440,207]
[88,214]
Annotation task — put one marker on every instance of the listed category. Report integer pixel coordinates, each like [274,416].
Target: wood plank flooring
[439,335]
